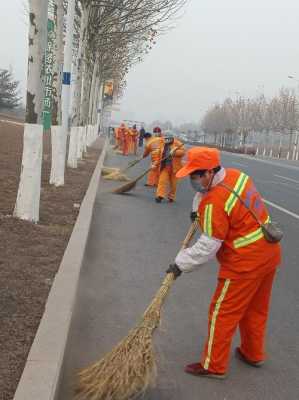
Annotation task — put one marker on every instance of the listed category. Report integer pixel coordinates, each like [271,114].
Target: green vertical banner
[49,61]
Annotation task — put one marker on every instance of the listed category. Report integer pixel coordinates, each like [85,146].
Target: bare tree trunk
[57,165]
[99,109]
[75,136]
[96,100]
[92,91]
[85,94]
[28,197]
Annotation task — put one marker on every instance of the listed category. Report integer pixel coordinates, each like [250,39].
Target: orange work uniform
[133,140]
[247,268]
[118,140]
[167,183]
[124,135]
[153,148]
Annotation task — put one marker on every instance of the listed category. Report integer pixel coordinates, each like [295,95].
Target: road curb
[41,374]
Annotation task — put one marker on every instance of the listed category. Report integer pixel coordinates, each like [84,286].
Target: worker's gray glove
[193,215]
[173,268]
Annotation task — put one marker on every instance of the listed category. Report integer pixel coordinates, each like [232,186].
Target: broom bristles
[117,176]
[114,174]
[125,188]
[130,368]
[109,170]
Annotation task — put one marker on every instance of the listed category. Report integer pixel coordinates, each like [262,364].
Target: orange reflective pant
[130,144]
[167,183]
[125,146]
[243,303]
[153,177]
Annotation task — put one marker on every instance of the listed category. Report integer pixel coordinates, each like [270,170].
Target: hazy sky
[219,48]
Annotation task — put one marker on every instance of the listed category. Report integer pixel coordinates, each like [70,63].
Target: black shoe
[241,356]
[198,370]
[159,199]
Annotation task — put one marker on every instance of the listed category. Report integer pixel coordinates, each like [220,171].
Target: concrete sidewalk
[132,241]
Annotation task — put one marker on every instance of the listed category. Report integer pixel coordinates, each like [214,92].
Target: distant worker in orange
[134,139]
[117,138]
[152,148]
[170,163]
[230,212]
[124,139]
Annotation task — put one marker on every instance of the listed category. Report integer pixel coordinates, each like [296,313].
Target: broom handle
[149,169]
[169,279]
[131,164]
[190,234]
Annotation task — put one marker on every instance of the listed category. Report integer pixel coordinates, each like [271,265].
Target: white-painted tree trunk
[84,139]
[28,197]
[80,147]
[58,155]
[91,135]
[73,147]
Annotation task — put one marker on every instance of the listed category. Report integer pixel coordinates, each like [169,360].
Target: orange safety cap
[199,158]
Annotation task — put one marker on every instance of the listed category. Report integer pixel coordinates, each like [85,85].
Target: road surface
[132,241]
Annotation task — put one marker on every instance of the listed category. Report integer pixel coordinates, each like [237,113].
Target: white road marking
[288,179]
[281,209]
[252,158]
[287,184]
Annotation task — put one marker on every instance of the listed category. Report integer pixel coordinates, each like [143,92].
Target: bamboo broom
[128,370]
[118,174]
[127,187]
[114,174]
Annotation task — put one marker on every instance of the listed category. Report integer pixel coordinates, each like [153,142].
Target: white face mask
[197,186]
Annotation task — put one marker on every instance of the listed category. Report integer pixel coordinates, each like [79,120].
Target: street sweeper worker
[170,163]
[152,148]
[117,138]
[124,136]
[248,261]
[134,139]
